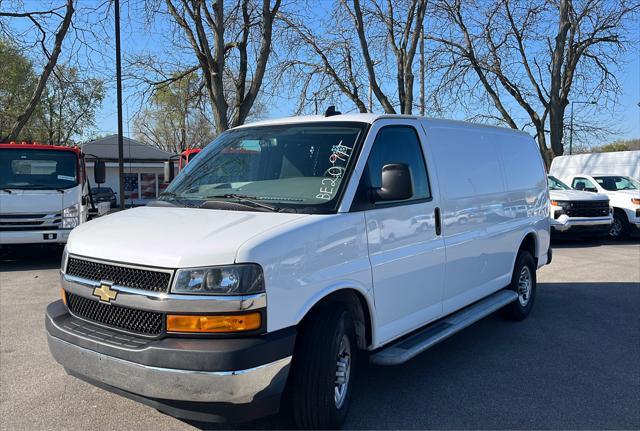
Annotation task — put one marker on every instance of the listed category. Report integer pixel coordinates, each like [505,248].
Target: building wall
[143,181]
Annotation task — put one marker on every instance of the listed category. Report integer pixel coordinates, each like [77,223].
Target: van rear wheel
[322,370]
[523,282]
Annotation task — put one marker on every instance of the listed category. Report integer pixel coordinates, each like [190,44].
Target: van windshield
[301,166]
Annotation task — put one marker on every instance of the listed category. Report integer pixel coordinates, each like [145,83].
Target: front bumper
[565,224]
[51,236]
[193,378]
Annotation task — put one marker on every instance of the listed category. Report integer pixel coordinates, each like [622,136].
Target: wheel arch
[359,304]
[529,242]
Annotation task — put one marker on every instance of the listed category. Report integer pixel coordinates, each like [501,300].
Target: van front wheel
[523,282]
[322,372]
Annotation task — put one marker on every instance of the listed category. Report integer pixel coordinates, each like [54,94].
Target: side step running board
[404,349]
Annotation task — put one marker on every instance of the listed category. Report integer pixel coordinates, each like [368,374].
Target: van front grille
[145,279]
[129,319]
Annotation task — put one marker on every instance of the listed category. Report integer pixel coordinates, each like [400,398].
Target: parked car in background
[578,212]
[624,196]
[297,227]
[104,194]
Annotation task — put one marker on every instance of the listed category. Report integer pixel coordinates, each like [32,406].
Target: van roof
[371,118]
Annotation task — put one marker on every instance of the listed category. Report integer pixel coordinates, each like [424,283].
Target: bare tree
[340,55]
[68,105]
[530,59]
[176,118]
[52,57]
[231,43]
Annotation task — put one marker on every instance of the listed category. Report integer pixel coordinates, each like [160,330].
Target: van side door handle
[436,214]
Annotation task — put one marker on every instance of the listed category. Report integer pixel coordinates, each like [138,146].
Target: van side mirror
[99,172]
[168,172]
[396,183]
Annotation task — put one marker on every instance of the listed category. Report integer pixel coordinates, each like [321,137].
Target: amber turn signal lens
[225,323]
[554,204]
[63,295]
[635,201]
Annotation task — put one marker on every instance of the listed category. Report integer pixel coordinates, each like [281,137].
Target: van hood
[37,201]
[576,195]
[172,237]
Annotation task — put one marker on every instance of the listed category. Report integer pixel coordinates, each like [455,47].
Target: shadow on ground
[30,257]
[574,241]
[571,365]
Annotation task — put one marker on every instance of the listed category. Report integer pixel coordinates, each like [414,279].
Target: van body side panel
[307,260]
[407,256]
[527,192]
[484,217]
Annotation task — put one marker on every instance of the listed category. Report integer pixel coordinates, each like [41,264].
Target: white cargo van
[289,247]
[626,163]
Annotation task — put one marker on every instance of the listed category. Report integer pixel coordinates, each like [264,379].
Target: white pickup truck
[623,193]
[578,212]
[311,240]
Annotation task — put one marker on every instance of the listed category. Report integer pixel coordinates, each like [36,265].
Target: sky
[137,37]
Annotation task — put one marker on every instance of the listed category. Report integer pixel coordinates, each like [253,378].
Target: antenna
[331,111]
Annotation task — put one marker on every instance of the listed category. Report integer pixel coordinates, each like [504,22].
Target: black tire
[521,307]
[311,388]
[620,228]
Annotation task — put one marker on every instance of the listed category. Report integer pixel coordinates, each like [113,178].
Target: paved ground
[573,364]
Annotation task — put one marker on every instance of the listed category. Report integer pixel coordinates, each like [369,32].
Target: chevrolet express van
[290,247]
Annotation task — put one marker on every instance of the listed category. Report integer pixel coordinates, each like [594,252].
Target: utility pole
[422,71]
[119,94]
[593,102]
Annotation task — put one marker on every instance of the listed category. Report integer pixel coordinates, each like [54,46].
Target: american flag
[148,186]
[131,186]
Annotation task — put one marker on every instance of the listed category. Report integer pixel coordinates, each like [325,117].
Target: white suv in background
[624,195]
[576,211]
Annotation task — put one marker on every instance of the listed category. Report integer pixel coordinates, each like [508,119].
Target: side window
[580,183]
[394,144]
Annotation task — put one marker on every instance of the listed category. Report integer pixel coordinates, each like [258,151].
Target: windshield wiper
[243,199]
[177,198]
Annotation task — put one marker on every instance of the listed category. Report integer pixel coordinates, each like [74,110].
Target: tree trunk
[42,82]
[556,103]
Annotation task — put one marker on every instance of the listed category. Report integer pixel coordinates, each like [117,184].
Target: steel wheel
[524,286]
[343,371]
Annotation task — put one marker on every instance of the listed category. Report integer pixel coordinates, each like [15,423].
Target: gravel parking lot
[573,364]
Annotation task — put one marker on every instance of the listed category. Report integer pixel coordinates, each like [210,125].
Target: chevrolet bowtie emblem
[105,293]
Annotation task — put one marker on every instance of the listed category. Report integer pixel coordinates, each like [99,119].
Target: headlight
[220,280]
[63,263]
[561,204]
[71,216]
